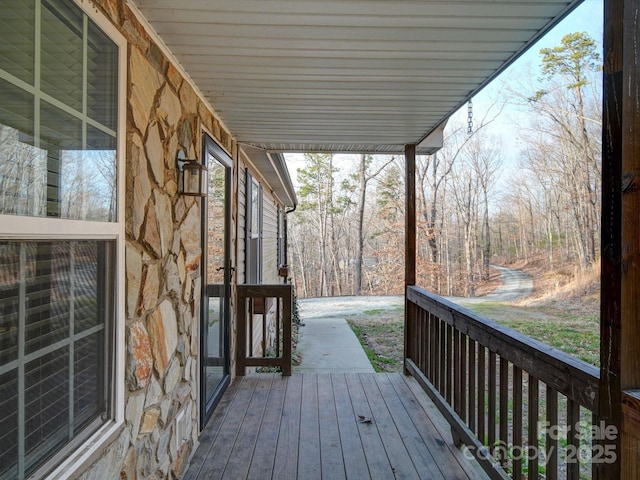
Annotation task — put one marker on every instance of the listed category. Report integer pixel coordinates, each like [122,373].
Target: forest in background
[347,235]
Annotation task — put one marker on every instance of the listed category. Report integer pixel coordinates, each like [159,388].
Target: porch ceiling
[344,75]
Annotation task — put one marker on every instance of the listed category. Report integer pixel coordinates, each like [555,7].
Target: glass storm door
[214,375]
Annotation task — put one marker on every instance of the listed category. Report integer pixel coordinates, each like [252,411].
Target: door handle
[233,269]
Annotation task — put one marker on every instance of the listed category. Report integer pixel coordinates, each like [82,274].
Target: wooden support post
[620,279]
[410,239]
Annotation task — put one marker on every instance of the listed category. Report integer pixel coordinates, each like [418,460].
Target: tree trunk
[362,192]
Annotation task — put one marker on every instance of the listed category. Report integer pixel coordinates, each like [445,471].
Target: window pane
[61,136]
[102,78]
[101,158]
[16,110]
[9,302]
[88,400]
[46,406]
[16,38]
[9,422]
[48,294]
[81,183]
[65,386]
[23,168]
[255,210]
[61,65]
[85,289]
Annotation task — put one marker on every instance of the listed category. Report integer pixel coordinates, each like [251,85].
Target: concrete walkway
[326,343]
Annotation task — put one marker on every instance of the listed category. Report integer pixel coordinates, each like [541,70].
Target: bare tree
[363,178]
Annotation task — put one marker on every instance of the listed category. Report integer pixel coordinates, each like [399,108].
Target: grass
[575,333]
[379,311]
[380,332]
[570,337]
[377,340]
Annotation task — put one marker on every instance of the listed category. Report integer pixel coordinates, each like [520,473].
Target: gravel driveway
[516,285]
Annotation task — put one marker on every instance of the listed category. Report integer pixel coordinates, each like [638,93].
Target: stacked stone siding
[163,262]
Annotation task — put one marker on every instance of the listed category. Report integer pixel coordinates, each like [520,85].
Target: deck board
[378,462]
[307,426]
[396,451]
[412,441]
[286,461]
[331,460]
[309,463]
[215,423]
[355,462]
[222,448]
[435,432]
[264,455]
[243,449]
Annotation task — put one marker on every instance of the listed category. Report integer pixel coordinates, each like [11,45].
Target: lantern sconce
[192,176]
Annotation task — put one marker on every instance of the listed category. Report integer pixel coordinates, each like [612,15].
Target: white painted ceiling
[344,75]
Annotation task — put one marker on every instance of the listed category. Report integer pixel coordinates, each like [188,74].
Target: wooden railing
[264,311]
[522,408]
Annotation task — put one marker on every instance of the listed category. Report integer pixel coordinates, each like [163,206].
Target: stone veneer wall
[163,260]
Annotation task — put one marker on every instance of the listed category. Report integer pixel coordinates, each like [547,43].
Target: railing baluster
[600,440]
[492,418]
[424,322]
[504,410]
[418,334]
[517,423]
[456,371]
[436,350]
[482,375]
[573,440]
[472,387]
[425,342]
[422,319]
[463,377]
[287,314]
[532,423]
[449,386]
[443,353]
[552,434]
[250,322]
[242,334]
[427,346]
[432,348]
[264,327]
[278,326]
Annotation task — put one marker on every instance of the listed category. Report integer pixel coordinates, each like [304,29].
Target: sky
[588,17]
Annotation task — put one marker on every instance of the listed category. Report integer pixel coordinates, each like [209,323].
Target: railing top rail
[568,375]
[264,290]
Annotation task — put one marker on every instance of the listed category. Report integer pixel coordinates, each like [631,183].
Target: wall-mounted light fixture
[192,176]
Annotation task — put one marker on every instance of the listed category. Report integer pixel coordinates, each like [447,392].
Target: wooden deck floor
[310,426]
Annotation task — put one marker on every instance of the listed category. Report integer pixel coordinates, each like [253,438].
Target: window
[253,229]
[61,239]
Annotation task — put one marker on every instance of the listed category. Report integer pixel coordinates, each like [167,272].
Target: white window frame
[15,227]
